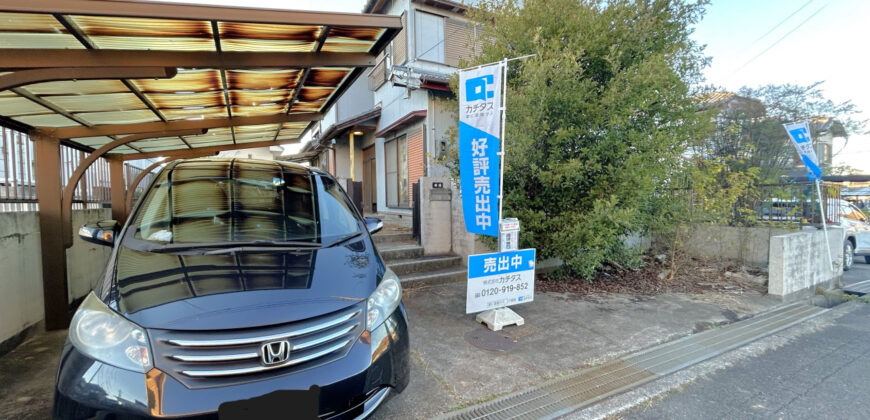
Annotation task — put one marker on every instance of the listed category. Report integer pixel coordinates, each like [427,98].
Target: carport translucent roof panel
[194,93]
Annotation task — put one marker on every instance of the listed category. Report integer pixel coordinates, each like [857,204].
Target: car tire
[848,255]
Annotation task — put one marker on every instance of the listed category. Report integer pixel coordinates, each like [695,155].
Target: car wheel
[848,255]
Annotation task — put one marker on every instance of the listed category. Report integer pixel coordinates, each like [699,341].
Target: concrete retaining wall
[20,273]
[747,245]
[799,262]
[21,304]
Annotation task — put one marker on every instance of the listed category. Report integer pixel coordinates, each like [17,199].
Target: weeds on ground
[856,298]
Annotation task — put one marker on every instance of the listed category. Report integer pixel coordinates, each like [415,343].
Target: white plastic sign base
[496,319]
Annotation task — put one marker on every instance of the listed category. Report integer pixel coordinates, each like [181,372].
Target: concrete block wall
[799,262]
[747,245]
[20,273]
[21,304]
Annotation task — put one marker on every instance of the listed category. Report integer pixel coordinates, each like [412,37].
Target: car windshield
[241,202]
[857,214]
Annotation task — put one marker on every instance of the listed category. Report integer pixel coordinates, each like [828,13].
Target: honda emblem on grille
[275,352]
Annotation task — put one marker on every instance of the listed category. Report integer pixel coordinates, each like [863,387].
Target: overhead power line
[780,39]
[782,21]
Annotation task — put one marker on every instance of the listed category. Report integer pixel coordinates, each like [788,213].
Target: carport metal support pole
[118,189]
[48,194]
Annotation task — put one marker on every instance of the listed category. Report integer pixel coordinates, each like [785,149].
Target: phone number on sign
[492,291]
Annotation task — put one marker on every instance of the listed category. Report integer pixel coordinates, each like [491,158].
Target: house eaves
[317,145]
[378,6]
[448,5]
[301,156]
[401,122]
[338,129]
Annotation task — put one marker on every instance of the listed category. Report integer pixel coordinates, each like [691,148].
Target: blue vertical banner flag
[803,142]
[479,144]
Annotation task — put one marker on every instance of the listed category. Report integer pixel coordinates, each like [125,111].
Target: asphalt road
[821,375]
[860,271]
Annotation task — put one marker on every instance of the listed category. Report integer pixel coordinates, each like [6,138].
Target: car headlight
[383,301]
[102,334]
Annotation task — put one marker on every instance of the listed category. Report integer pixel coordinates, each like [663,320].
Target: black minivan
[237,285]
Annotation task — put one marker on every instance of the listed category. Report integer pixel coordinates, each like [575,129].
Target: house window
[429,36]
[396,160]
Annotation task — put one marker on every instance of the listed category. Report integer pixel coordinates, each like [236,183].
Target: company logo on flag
[479,143]
[803,142]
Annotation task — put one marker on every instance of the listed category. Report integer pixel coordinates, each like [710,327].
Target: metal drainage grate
[860,288]
[564,395]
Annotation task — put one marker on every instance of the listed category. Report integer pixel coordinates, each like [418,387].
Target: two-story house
[400,108]
[411,86]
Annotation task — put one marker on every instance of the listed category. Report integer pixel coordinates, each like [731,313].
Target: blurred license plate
[303,404]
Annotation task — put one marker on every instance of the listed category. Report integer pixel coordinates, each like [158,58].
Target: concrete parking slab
[563,333]
[27,377]
[457,362]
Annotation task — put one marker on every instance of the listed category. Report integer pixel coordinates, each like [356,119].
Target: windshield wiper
[230,247]
[343,239]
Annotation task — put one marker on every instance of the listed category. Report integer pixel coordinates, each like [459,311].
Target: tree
[749,147]
[597,120]
[844,170]
[749,130]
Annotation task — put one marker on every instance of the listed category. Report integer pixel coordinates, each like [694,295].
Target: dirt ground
[690,275]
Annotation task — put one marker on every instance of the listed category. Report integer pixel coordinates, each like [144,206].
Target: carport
[124,81]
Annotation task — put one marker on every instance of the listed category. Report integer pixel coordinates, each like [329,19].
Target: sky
[759,42]
[751,43]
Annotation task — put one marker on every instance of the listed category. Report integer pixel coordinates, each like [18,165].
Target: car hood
[244,289]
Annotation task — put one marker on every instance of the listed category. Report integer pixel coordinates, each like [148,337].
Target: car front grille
[201,359]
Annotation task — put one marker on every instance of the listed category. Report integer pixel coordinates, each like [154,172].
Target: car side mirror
[373,224]
[100,233]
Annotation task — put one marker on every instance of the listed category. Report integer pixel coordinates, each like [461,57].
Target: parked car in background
[857,228]
[235,285]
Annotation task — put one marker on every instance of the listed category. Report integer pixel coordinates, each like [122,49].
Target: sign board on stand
[495,281]
[500,279]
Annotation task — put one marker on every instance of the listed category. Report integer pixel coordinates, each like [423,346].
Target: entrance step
[430,278]
[859,289]
[425,264]
[403,255]
[385,237]
[393,251]
[398,220]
